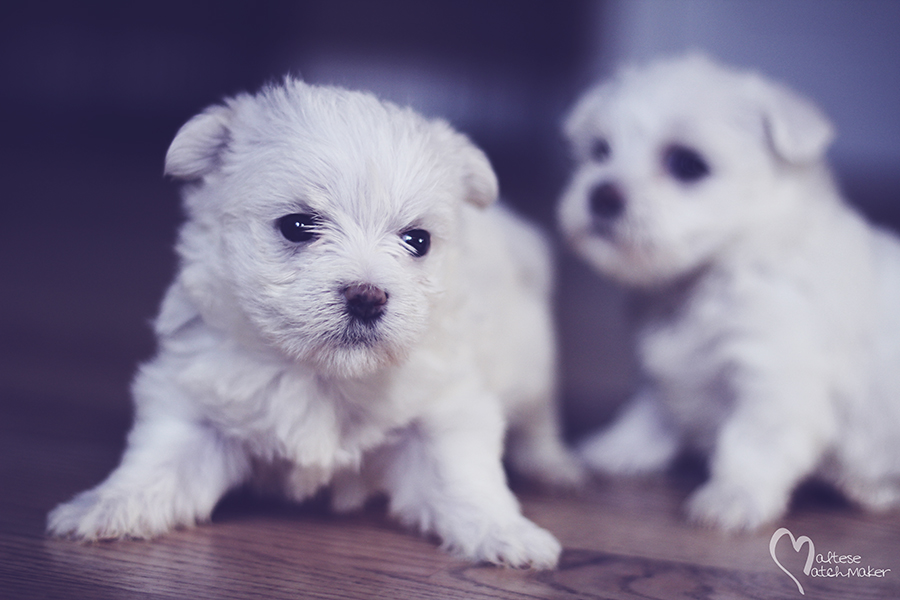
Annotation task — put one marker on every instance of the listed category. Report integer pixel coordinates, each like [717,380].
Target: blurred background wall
[91,93]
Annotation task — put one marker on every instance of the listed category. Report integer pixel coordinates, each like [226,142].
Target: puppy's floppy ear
[481,182]
[481,186]
[197,146]
[577,123]
[797,130]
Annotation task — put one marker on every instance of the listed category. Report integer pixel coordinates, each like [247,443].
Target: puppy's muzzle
[365,302]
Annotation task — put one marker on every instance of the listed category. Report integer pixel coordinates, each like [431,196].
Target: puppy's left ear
[799,133]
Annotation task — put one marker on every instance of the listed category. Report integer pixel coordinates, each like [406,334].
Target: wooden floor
[77,294]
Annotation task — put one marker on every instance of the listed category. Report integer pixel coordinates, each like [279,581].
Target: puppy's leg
[639,441]
[446,477]
[876,495]
[762,452]
[350,489]
[534,448]
[171,475]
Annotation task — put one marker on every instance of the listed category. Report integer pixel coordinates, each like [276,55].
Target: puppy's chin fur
[350,310]
[350,359]
[631,263]
[770,339]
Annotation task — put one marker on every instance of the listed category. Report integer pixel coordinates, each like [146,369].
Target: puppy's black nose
[365,301]
[607,202]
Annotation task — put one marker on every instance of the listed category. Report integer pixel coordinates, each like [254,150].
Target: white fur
[257,374]
[771,331]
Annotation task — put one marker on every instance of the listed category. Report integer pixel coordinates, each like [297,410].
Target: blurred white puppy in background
[348,311]
[770,340]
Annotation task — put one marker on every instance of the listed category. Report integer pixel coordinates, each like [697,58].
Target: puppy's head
[678,160]
[322,222]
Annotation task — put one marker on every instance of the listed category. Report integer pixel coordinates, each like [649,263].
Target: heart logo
[797,543]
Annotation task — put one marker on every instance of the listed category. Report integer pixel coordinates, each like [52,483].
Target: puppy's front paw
[640,441]
[553,468]
[349,492]
[519,544]
[565,473]
[732,507]
[93,515]
[614,452]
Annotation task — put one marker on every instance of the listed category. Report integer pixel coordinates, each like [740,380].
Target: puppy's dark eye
[684,164]
[298,227]
[418,240]
[600,150]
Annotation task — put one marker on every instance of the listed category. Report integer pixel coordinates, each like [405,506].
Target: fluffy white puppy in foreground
[348,311]
[770,339]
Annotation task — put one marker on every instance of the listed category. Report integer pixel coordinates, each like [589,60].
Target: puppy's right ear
[198,145]
[798,132]
[481,181]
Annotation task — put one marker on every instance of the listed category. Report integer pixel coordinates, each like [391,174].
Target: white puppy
[350,311]
[771,336]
